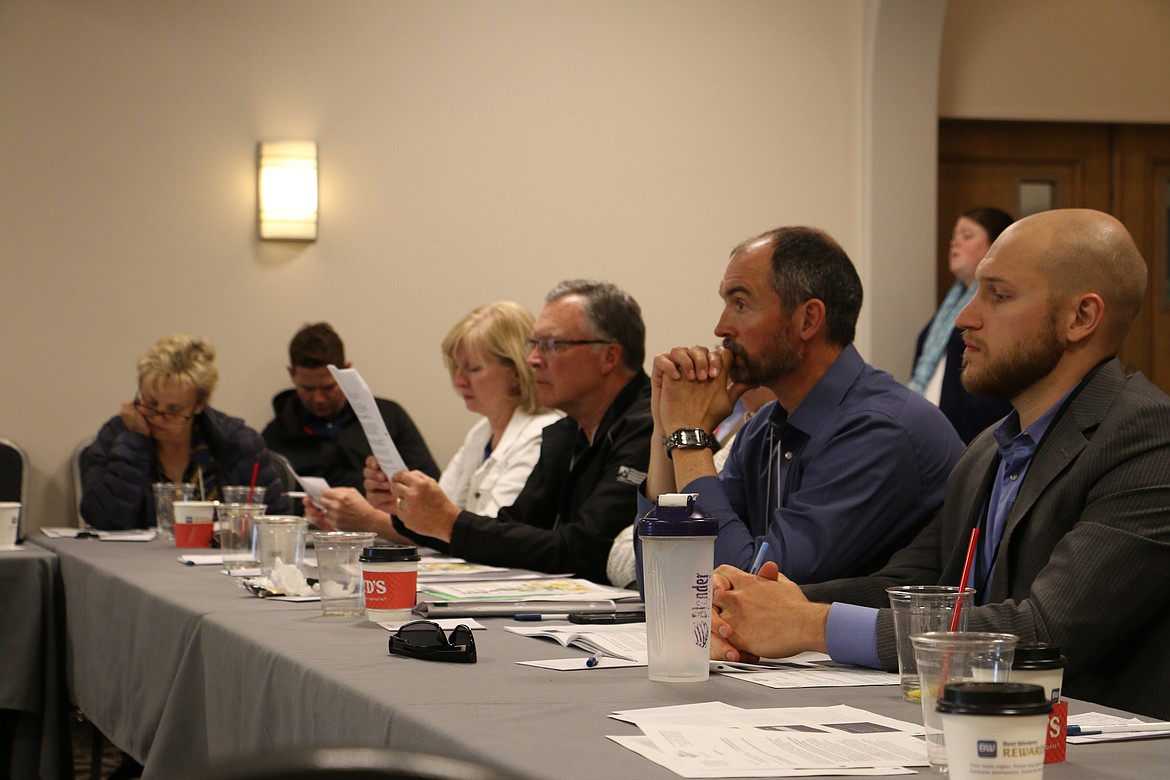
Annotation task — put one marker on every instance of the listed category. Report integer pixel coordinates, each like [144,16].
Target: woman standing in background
[938,359]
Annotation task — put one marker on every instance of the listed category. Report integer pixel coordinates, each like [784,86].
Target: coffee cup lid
[389,553]
[987,698]
[1038,656]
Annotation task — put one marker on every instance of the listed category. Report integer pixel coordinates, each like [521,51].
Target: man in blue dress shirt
[1071,493]
[838,473]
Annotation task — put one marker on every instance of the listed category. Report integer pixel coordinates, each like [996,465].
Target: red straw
[966,576]
[256,472]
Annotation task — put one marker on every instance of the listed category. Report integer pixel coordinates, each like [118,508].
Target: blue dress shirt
[851,630]
[838,485]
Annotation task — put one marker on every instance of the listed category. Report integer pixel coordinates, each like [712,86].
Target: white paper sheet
[361,400]
[714,739]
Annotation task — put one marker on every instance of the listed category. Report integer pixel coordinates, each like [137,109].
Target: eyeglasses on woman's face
[152,413]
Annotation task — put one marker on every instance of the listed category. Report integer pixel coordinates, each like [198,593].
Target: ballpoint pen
[759,559]
[594,659]
[1116,728]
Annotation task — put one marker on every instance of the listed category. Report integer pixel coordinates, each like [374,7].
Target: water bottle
[678,554]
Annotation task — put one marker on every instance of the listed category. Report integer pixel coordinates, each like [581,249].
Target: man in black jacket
[317,430]
[587,350]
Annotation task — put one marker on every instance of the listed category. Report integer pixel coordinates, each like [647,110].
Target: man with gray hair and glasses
[587,349]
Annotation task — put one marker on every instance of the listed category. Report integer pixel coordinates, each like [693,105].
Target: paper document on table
[361,400]
[558,588]
[510,597]
[718,740]
[807,670]
[645,747]
[840,718]
[1114,728]
[132,535]
[454,569]
[622,641]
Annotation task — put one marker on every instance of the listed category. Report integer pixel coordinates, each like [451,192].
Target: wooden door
[1026,167]
[1142,202]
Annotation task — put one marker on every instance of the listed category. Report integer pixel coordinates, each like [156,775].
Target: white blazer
[484,486]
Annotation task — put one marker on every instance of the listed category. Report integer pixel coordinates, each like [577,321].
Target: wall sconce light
[287,191]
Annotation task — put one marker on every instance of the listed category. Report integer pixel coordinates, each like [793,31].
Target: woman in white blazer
[487,358]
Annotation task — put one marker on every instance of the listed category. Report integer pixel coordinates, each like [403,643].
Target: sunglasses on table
[426,640]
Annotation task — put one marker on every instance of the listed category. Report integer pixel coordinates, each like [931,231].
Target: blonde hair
[183,358]
[498,330]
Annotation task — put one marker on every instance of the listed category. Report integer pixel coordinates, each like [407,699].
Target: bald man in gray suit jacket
[1071,492]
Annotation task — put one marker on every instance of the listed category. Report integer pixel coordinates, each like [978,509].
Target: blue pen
[594,659]
[759,561]
[530,617]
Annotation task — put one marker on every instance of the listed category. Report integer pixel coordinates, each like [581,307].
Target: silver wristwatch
[689,439]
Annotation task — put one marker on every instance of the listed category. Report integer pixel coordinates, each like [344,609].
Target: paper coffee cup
[9,523]
[994,730]
[194,523]
[390,581]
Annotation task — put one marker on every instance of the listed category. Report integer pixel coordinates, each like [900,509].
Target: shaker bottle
[678,554]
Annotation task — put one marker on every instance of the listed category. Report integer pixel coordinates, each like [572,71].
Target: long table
[179,666]
[34,729]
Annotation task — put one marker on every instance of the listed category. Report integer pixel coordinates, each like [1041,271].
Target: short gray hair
[613,315]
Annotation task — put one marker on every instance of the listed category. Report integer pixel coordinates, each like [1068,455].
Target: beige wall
[469,151]
[1063,60]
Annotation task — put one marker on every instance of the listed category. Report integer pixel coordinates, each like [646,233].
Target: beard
[780,357]
[1018,368]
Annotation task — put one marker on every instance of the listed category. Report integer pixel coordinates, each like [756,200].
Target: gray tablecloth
[186,668]
[33,712]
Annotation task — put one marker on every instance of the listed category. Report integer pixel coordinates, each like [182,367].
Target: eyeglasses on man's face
[425,639]
[548,345]
[150,413]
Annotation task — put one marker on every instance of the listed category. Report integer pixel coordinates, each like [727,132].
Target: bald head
[1081,251]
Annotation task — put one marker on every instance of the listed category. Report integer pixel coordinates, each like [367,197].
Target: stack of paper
[509,597]
[718,740]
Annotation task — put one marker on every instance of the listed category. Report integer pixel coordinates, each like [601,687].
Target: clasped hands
[689,388]
[763,616]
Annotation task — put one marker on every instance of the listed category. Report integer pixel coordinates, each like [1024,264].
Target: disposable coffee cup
[919,609]
[678,555]
[950,657]
[339,571]
[994,730]
[194,523]
[9,523]
[1041,665]
[165,494]
[390,581]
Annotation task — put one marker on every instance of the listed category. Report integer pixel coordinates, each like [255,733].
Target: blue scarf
[935,345]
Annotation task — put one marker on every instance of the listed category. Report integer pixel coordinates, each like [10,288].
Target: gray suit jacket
[1085,558]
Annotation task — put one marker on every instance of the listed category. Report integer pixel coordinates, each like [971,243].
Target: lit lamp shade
[287,191]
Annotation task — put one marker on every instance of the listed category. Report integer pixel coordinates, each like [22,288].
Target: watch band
[689,439]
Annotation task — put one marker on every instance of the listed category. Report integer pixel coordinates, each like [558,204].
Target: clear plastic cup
[279,539]
[917,610]
[236,528]
[165,495]
[947,658]
[339,571]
